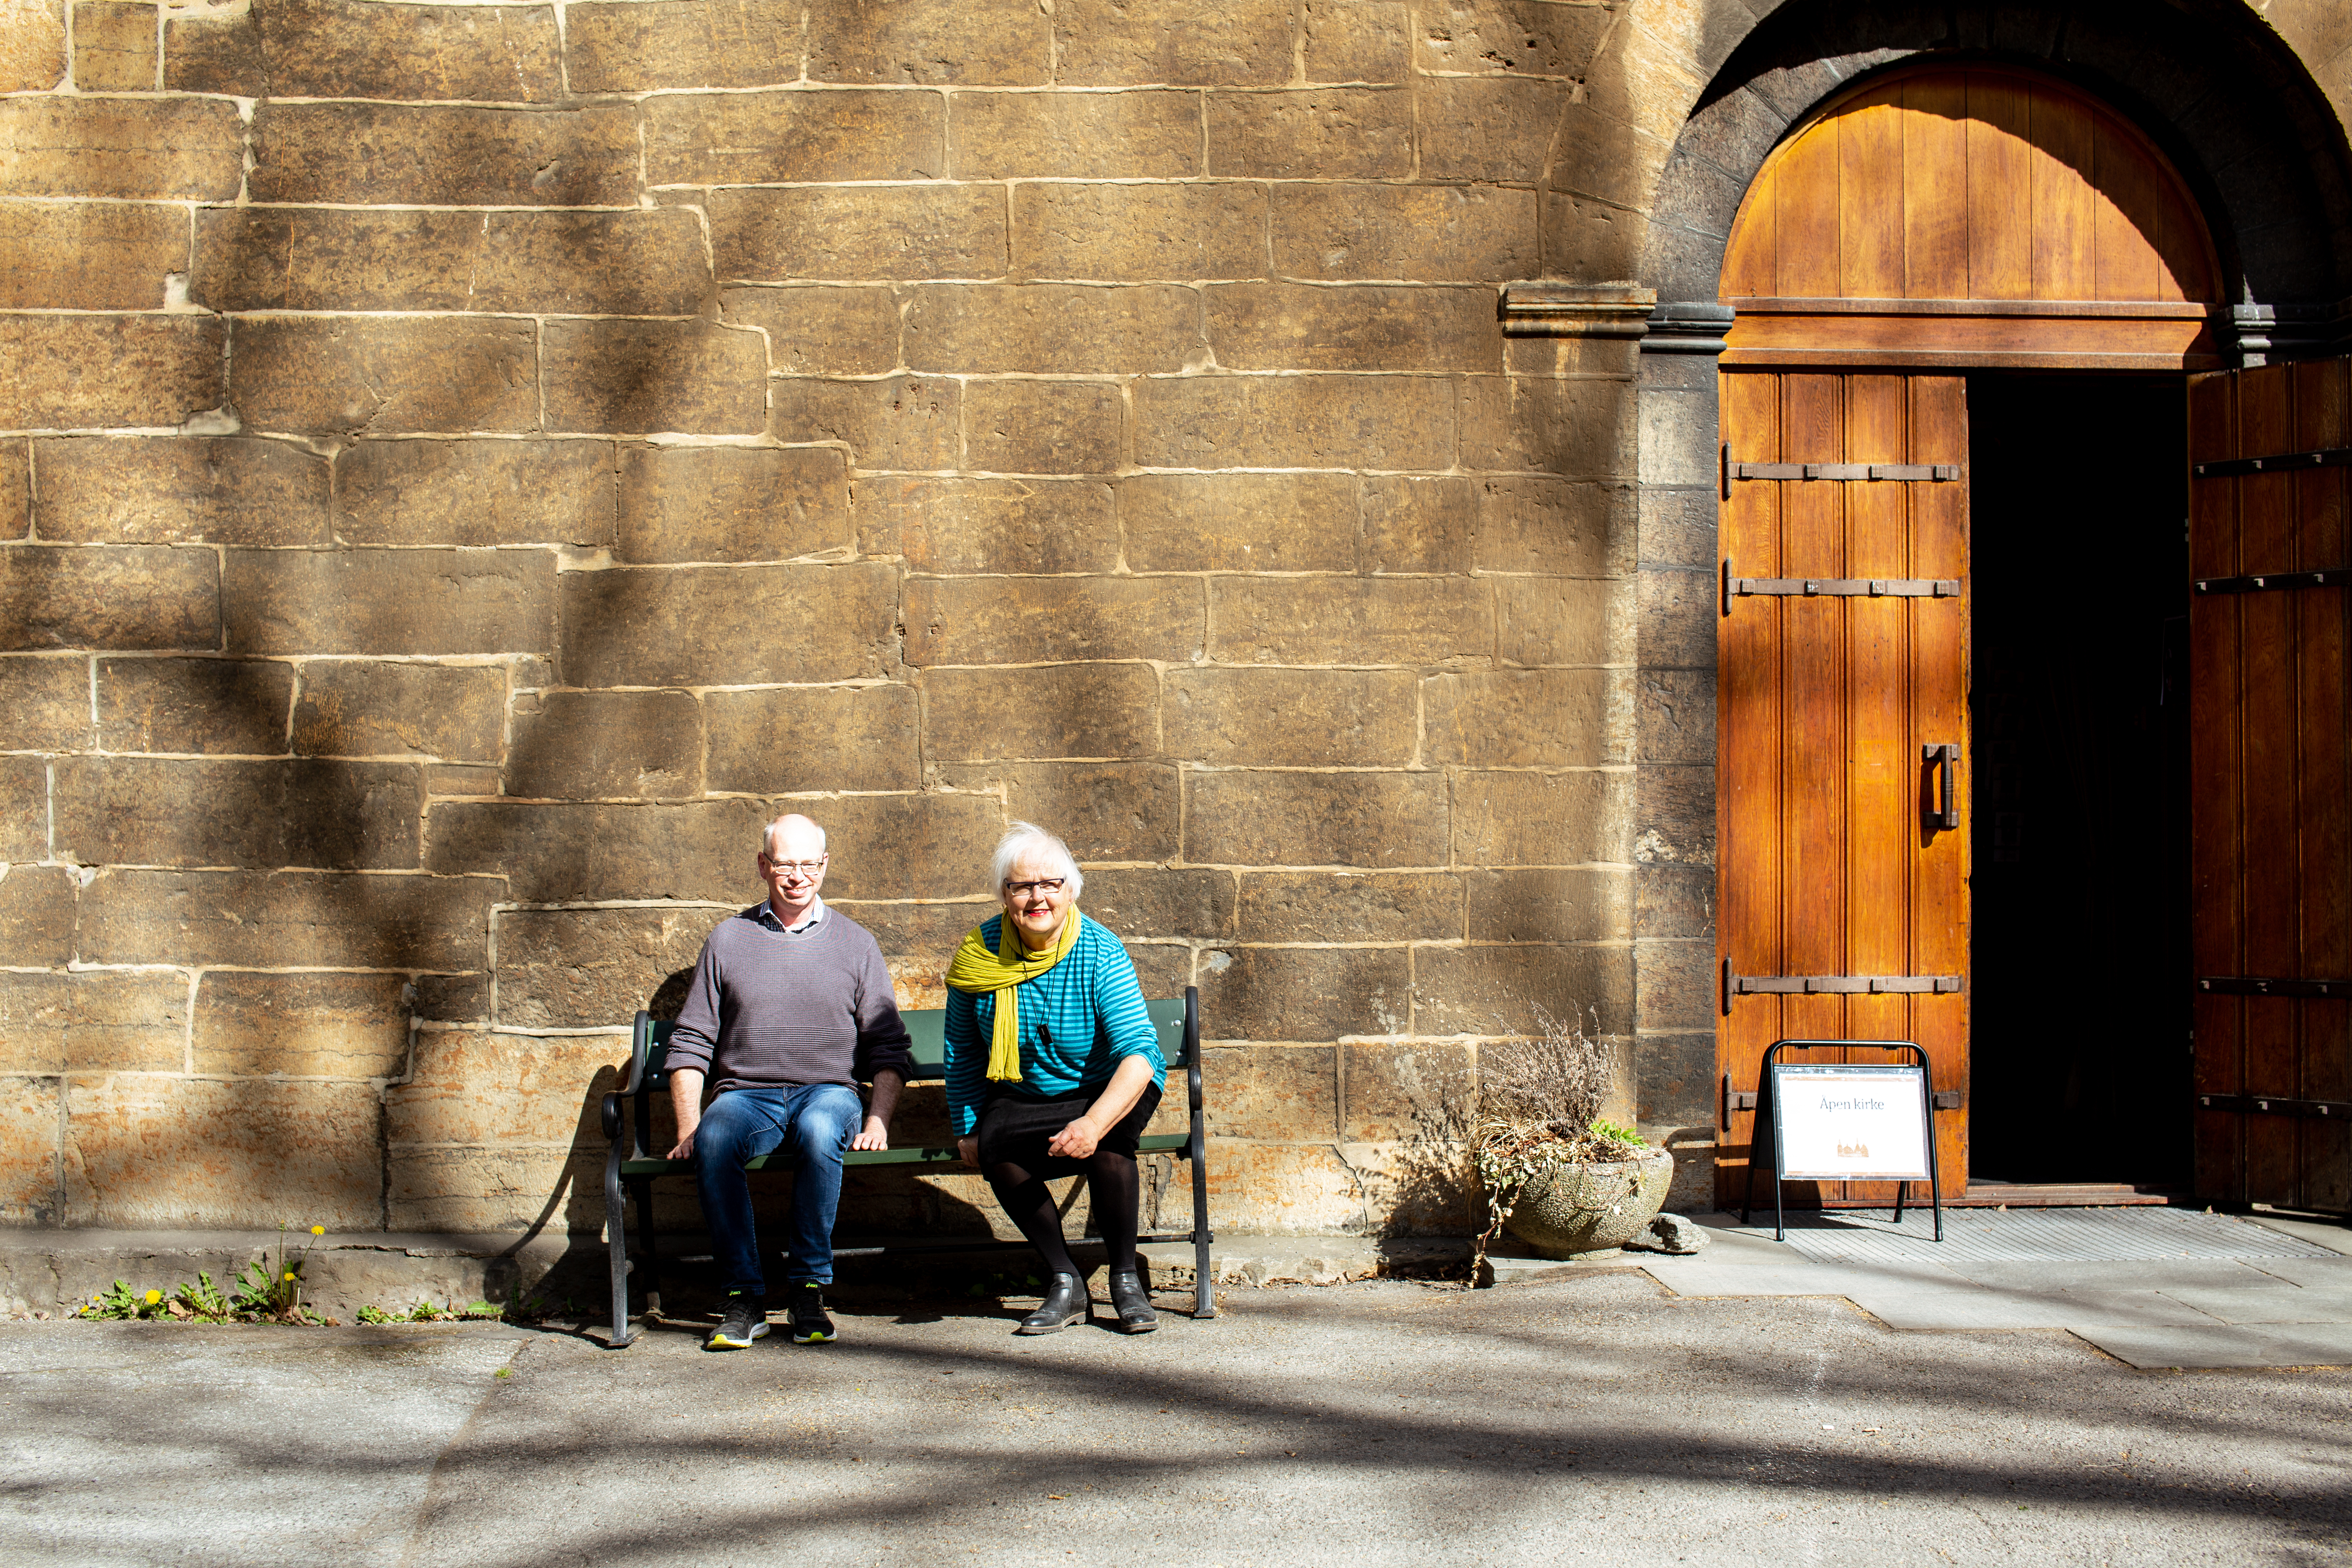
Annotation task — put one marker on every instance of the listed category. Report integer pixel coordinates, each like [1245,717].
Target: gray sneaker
[746,1320]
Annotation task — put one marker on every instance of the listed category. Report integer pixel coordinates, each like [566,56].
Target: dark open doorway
[2079,1020]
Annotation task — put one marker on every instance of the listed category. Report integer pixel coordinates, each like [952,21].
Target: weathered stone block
[1293,718]
[1671,900]
[584,969]
[1297,326]
[1581,903]
[1675,710]
[1541,819]
[130,149]
[1678,527]
[477,1190]
[731,503]
[1103,811]
[1042,426]
[1419,1187]
[1528,718]
[1563,620]
[24,809]
[1316,819]
[460,782]
[1172,233]
[153,1154]
[974,526]
[475,492]
[1075,135]
[1155,902]
[1350,620]
[348,48]
[1304,993]
[1412,1091]
[1063,710]
[927,931]
[1415,525]
[1356,40]
[37,914]
[1271,1093]
[718,625]
[389,601]
[327,815]
[1583,429]
[138,597]
[1119,43]
[353,708]
[1554,527]
[1293,421]
[1498,37]
[907,422]
[822,329]
[296,258]
[606,745]
[93,1023]
[301,1026]
[120,253]
[323,919]
[16,489]
[32,46]
[1284,1189]
[452,998]
[773,138]
[644,376]
[218,706]
[375,152]
[89,371]
[1350,906]
[1326,134]
[758,739]
[1589,237]
[1044,328]
[644,47]
[478,1087]
[1497,129]
[1430,234]
[903,846]
[172,490]
[1496,989]
[559,852]
[931,43]
[31,1186]
[1239,522]
[859,232]
[1676,814]
[1041,620]
[344,376]
[44,704]
[1675,1087]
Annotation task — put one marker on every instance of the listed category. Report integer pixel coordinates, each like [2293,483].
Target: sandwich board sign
[1849,1121]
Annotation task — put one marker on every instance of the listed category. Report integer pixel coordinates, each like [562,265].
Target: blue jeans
[813,1124]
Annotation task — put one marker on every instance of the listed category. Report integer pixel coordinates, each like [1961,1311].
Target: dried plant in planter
[1540,1108]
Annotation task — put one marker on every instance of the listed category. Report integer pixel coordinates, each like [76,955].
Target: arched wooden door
[1933,223]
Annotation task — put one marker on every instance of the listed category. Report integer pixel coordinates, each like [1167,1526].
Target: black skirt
[1015,1128]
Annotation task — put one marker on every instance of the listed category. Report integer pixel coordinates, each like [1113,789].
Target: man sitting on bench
[789,1008]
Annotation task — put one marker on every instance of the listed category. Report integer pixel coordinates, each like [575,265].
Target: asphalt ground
[1597,1418]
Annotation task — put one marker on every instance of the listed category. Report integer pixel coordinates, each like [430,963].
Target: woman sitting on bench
[1052,1069]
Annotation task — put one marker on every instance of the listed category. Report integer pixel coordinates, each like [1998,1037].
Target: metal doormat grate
[2003,1235]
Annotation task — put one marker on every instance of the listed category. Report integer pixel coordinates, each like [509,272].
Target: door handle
[1945,759]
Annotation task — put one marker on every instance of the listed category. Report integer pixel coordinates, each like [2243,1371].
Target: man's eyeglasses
[795,868]
[1042,885]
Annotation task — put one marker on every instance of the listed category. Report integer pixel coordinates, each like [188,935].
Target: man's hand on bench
[875,1136]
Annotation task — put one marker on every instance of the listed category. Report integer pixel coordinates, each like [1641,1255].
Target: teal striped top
[1079,1020]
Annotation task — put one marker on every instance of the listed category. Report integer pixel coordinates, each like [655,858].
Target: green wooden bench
[630,1166]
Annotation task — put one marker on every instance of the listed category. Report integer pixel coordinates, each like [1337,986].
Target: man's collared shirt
[774,922]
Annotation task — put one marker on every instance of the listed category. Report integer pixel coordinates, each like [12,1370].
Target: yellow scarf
[974,969]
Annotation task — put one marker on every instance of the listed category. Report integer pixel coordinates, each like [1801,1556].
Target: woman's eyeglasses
[1042,885]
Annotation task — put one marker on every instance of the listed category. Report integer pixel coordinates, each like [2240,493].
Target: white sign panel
[1850,1123]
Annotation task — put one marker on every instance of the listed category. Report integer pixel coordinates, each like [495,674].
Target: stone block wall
[465,465]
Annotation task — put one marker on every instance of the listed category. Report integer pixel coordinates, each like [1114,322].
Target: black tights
[1111,1190]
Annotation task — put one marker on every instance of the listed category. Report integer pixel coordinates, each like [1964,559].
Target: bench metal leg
[616,1246]
[649,1255]
[1196,1149]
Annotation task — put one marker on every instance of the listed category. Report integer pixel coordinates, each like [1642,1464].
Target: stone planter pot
[1592,1210]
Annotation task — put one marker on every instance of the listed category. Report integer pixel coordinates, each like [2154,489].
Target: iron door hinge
[2333,577]
[1836,587]
[2283,462]
[1849,473]
[2273,1105]
[1738,985]
[2265,986]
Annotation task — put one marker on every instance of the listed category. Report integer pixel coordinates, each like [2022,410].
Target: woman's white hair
[1028,841]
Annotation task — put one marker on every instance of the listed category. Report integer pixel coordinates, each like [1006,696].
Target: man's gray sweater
[769,1008]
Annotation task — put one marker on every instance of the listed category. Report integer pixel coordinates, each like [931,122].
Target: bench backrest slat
[927,1029]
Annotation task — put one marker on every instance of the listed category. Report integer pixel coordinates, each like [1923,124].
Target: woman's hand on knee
[967,1151]
[1075,1142]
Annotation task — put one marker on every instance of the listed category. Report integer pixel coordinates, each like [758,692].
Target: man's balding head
[792,837]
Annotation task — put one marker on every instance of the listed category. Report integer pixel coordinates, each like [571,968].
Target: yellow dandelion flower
[318,1230]
[289,1275]
[154,1297]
